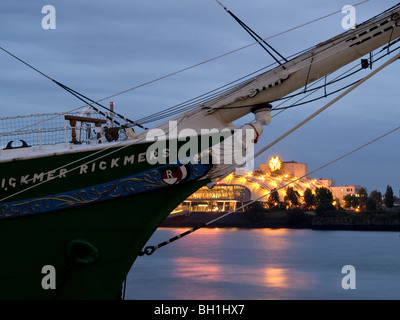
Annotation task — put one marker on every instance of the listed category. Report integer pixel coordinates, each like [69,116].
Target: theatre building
[236,189]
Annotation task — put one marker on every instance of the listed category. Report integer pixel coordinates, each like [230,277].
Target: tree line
[323,200]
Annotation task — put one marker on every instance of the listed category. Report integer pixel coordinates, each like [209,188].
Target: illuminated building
[341,191]
[236,189]
[222,197]
[293,168]
[240,187]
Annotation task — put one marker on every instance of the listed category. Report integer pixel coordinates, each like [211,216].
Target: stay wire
[82,97]
[332,82]
[75,93]
[149,250]
[189,104]
[206,97]
[326,94]
[227,53]
[27,64]
[195,65]
[287,98]
[254,35]
[124,146]
[329,104]
[185,105]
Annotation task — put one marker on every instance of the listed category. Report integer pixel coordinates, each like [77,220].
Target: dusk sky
[101,48]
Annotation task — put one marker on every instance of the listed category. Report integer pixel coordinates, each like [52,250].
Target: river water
[265,264]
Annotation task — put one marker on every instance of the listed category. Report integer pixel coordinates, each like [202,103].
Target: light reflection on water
[276,277]
[267,264]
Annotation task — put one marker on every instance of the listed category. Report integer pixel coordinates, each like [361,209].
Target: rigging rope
[227,53]
[332,82]
[171,74]
[149,250]
[75,93]
[82,98]
[254,35]
[316,113]
[287,98]
[124,146]
[193,66]
[189,104]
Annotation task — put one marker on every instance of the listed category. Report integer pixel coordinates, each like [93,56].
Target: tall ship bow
[81,193]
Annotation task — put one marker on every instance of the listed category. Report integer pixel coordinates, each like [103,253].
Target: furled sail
[296,73]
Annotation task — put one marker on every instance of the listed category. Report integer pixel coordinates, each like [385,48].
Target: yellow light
[275,164]
[275,277]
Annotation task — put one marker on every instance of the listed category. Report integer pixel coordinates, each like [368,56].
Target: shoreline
[287,220]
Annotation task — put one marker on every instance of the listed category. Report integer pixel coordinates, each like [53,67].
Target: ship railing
[43,129]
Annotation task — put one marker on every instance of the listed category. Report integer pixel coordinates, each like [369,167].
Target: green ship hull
[85,214]
[117,230]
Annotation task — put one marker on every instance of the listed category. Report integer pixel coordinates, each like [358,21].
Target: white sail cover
[315,63]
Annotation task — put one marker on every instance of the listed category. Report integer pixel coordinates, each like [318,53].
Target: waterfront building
[240,187]
[293,168]
[341,191]
[221,197]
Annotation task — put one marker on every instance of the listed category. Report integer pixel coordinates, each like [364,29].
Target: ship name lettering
[103,165]
[33,178]
[83,168]
[130,159]
[37,177]
[50,175]
[142,157]
[24,179]
[114,163]
[12,182]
